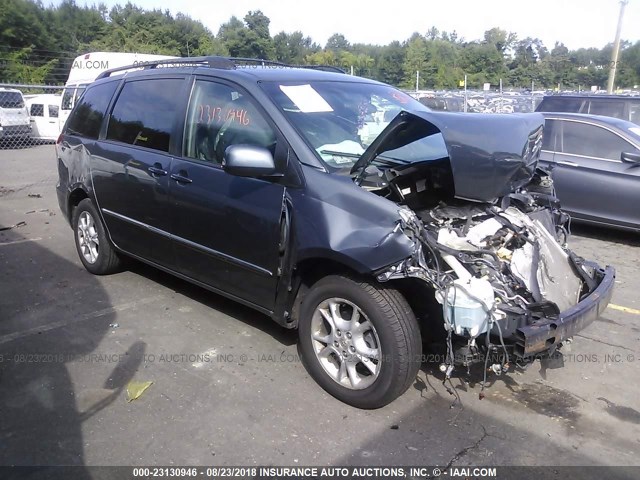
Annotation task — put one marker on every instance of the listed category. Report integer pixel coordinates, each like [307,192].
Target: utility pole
[616,49]
[465,93]
[417,80]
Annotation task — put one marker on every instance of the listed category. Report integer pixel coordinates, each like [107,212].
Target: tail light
[59,140]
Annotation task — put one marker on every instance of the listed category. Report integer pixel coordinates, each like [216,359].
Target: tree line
[38,45]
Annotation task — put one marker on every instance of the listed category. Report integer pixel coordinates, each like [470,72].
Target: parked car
[618,106]
[260,184]
[595,165]
[44,111]
[14,116]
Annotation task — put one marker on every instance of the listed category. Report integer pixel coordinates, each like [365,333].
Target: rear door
[591,181]
[38,121]
[226,228]
[131,166]
[52,127]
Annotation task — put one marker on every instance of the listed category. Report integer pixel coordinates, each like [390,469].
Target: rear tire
[92,243]
[359,341]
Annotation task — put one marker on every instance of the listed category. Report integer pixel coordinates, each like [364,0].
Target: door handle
[181,178]
[156,170]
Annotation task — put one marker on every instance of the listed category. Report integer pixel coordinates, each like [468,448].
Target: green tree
[500,39]
[18,69]
[390,64]
[415,60]
[337,42]
[249,39]
[293,47]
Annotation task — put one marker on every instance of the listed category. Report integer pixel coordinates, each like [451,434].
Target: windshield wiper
[340,154]
[391,160]
[382,159]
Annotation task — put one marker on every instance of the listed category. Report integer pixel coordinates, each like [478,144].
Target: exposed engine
[495,268]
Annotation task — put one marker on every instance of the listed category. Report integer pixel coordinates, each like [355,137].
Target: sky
[576,23]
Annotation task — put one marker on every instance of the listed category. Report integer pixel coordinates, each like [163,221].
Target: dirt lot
[228,388]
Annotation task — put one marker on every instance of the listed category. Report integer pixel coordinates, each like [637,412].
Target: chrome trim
[568,164]
[589,157]
[189,243]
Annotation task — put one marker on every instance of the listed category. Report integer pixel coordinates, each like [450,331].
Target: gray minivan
[267,184]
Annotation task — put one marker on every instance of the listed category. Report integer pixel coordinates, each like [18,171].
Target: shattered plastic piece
[34,195]
[114,325]
[135,389]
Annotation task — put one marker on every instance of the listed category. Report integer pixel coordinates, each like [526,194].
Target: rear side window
[560,104]
[36,110]
[607,108]
[53,111]
[145,113]
[86,118]
[11,100]
[67,98]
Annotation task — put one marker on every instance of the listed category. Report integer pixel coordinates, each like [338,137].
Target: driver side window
[220,116]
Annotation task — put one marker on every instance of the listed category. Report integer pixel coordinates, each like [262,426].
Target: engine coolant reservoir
[464,309]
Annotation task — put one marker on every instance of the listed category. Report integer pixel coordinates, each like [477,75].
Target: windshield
[11,100]
[339,120]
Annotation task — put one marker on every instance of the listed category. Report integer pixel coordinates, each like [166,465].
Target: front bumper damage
[546,334]
[509,287]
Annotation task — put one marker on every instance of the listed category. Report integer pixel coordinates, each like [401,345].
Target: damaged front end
[496,257]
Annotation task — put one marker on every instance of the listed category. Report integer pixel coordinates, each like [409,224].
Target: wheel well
[308,272]
[422,300]
[313,269]
[74,199]
[419,295]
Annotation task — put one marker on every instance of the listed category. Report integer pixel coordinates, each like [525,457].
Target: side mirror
[249,161]
[629,157]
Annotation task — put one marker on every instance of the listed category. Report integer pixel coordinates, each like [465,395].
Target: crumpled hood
[490,155]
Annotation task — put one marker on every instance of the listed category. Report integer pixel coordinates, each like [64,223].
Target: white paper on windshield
[635,130]
[306,98]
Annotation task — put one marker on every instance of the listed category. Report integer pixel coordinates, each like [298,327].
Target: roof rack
[211,61]
[224,63]
[323,68]
[259,61]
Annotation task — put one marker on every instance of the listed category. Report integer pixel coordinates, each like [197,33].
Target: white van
[44,111]
[14,117]
[86,68]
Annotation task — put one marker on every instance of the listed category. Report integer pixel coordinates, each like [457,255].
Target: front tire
[94,248]
[359,341]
